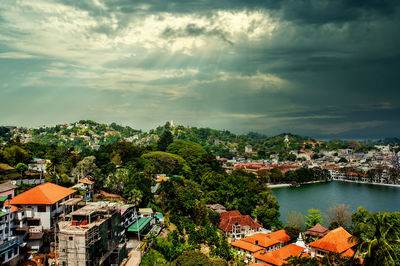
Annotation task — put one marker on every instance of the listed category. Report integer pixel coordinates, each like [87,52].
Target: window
[41,208]
[70,238]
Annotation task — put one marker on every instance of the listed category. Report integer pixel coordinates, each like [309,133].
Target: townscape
[97,194]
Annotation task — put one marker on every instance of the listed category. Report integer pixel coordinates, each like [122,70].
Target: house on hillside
[37,210]
[236,225]
[336,241]
[7,189]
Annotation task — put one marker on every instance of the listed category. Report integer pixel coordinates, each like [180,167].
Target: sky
[321,68]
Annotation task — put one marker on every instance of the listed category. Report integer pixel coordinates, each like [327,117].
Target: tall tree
[164,141]
[313,218]
[339,215]
[378,237]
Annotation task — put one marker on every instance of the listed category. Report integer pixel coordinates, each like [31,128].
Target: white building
[36,210]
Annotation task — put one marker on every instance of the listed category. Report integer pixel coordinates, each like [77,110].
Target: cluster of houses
[381,159]
[261,247]
[49,219]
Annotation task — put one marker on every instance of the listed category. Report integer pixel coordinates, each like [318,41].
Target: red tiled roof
[44,194]
[317,230]
[335,241]
[110,195]
[228,219]
[246,246]
[279,256]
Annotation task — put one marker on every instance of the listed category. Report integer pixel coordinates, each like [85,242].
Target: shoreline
[367,183]
[337,180]
[288,185]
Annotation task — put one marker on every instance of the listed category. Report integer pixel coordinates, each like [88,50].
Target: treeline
[302,175]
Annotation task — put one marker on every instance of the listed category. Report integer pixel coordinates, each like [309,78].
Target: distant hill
[88,134]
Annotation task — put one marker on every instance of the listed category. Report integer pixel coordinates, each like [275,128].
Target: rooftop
[278,257]
[337,241]
[6,186]
[44,194]
[246,246]
[317,230]
[139,225]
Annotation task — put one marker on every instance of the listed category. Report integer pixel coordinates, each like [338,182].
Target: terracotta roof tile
[85,181]
[46,194]
[335,241]
[279,256]
[261,239]
[246,246]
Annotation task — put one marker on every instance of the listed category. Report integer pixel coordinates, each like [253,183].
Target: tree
[313,218]
[118,180]
[295,219]
[339,215]
[135,196]
[377,236]
[86,167]
[167,163]
[153,258]
[22,168]
[164,141]
[268,211]
[15,155]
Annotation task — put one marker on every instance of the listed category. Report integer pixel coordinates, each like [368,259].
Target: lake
[323,195]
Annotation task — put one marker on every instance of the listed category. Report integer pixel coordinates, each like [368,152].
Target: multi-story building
[236,225]
[9,244]
[91,235]
[35,211]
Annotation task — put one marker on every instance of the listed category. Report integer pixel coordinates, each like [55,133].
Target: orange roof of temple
[44,194]
[246,246]
[261,239]
[336,241]
[278,257]
[267,240]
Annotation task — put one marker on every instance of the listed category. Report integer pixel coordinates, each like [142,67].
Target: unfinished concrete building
[91,235]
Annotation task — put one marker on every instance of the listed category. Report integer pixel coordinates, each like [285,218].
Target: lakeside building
[260,243]
[337,241]
[316,232]
[236,225]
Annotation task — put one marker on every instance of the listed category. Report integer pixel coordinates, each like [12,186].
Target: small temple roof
[336,241]
[317,230]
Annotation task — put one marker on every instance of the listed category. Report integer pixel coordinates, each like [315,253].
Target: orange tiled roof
[279,256]
[280,235]
[162,179]
[13,208]
[261,239]
[85,181]
[348,253]
[246,246]
[335,241]
[46,194]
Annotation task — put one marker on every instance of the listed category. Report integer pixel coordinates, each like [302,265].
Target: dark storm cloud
[324,68]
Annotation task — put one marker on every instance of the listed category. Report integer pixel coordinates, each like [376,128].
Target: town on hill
[96,194]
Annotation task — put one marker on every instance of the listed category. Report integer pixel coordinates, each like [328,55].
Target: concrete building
[35,211]
[9,244]
[7,189]
[91,235]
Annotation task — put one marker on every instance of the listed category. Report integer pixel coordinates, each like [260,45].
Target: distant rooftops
[6,186]
[230,218]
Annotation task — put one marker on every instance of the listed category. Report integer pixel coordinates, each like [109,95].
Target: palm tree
[135,196]
[377,238]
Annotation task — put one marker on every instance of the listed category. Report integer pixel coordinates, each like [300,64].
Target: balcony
[8,244]
[35,229]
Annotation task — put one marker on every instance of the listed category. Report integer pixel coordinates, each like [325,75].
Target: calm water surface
[323,195]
